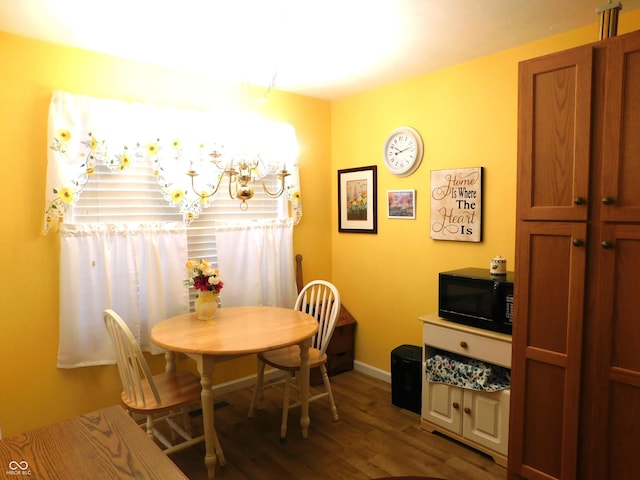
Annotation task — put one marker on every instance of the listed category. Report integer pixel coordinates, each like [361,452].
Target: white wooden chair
[162,397]
[321,300]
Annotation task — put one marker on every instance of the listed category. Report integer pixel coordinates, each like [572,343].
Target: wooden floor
[372,439]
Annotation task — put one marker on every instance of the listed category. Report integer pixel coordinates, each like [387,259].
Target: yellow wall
[33,391]
[467,116]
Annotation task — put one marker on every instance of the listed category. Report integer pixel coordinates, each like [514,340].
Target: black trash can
[406,377]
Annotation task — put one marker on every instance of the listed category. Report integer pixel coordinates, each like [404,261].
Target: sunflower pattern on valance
[84,132]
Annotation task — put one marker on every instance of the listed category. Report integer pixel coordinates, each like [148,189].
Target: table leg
[212,444]
[169,361]
[305,421]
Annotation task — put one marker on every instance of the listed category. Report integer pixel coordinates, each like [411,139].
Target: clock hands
[398,150]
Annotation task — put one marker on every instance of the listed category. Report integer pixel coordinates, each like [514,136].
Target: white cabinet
[479,419]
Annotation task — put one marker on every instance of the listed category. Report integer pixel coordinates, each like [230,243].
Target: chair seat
[175,388]
[288,358]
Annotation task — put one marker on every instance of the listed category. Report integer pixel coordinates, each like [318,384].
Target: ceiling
[326,49]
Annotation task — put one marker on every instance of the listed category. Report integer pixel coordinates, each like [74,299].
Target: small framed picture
[401,204]
[357,200]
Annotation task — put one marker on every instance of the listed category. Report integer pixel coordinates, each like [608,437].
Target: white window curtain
[257,263]
[138,270]
[84,131]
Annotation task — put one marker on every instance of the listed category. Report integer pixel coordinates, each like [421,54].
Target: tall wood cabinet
[575,391]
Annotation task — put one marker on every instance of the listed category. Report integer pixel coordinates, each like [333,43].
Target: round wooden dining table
[234,332]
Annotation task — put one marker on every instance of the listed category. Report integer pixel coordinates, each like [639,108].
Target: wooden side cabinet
[477,418]
[340,352]
[341,349]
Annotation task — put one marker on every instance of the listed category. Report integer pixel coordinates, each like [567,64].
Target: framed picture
[357,200]
[456,204]
[401,204]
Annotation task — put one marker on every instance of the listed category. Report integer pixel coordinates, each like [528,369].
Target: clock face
[403,151]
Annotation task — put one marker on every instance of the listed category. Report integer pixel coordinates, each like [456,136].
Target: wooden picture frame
[456,204]
[358,200]
[401,204]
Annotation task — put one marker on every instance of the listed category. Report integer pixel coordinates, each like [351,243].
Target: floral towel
[467,373]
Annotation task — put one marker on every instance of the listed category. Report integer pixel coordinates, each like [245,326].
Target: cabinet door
[615,422]
[547,341]
[554,129]
[621,153]
[442,406]
[485,418]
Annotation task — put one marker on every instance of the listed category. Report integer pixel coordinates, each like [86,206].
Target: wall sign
[456,204]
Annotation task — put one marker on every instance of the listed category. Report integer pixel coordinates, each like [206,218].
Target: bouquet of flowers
[203,277]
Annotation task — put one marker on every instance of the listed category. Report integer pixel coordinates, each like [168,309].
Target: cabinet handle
[607,201]
[578,242]
[456,405]
[467,410]
[463,344]
[579,201]
[606,244]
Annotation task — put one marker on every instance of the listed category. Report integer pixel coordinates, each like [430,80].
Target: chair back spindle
[321,300]
[132,366]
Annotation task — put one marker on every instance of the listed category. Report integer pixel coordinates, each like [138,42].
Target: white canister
[498,266]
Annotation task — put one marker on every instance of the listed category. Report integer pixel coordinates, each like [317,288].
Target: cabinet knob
[578,242]
[607,201]
[606,244]
[463,344]
[456,405]
[467,410]
[579,201]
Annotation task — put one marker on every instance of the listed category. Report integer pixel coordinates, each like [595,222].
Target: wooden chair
[162,397]
[321,300]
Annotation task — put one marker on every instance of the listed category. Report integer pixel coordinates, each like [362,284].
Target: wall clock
[403,151]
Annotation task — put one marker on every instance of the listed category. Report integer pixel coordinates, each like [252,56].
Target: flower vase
[206,304]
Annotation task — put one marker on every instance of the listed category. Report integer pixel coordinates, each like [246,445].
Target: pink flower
[203,277]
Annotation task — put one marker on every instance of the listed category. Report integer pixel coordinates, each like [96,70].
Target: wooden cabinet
[619,196]
[554,126]
[575,367]
[545,373]
[477,418]
[611,405]
[340,352]
[341,349]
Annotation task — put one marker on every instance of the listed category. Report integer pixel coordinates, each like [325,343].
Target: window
[123,239]
[133,196]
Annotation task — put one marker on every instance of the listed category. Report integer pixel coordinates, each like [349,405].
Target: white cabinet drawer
[482,346]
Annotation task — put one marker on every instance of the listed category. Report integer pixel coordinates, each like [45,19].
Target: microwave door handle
[496,298]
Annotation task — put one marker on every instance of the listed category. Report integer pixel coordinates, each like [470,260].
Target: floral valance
[84,131]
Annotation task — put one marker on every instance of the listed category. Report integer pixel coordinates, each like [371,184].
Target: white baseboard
[250,380]
[372,371]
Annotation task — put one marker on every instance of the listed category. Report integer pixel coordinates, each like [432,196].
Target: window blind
[133,196]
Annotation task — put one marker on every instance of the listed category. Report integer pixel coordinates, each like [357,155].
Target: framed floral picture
[357,200]
[401,204]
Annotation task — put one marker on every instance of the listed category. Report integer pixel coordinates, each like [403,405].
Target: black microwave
[472,296]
